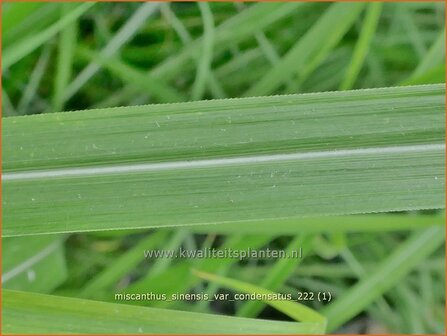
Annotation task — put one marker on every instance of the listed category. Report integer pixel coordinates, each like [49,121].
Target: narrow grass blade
[119,39]
[34,81]
[235,29]
[295,310]
[361,49]
[121,266]
[175,23]
[182,270]
[162,264]
[328,271]
[45,314]
[278,274]
[129,75]
[214,86]
[204,62]
[329,29]
[388,274]
[434,56]
[331,271]
[238,63]
[432,76]
[66,48]
[405,16]
[382,305]
[23,47]
[431,61]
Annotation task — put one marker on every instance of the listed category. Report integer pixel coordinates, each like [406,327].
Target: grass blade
[214,86]
[328,30]
[122,265]
[66,47]
[363,44]
[235,29]
[395,163]
[121,37]
[34,81]
[431,61]
[372,118]
[297,311]
[434,75]
[61,315]
[204,62]
[129,75]
[413,31]
[278,274]
[176,24]
[183,270]
[23,47]
[388,274]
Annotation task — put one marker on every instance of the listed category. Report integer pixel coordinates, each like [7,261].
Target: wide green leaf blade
[223,161]
[45,314]
[372,118]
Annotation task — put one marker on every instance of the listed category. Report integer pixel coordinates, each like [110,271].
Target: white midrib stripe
[162,166]
[30,262]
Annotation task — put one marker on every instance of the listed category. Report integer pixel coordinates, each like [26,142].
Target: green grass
[317,127]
